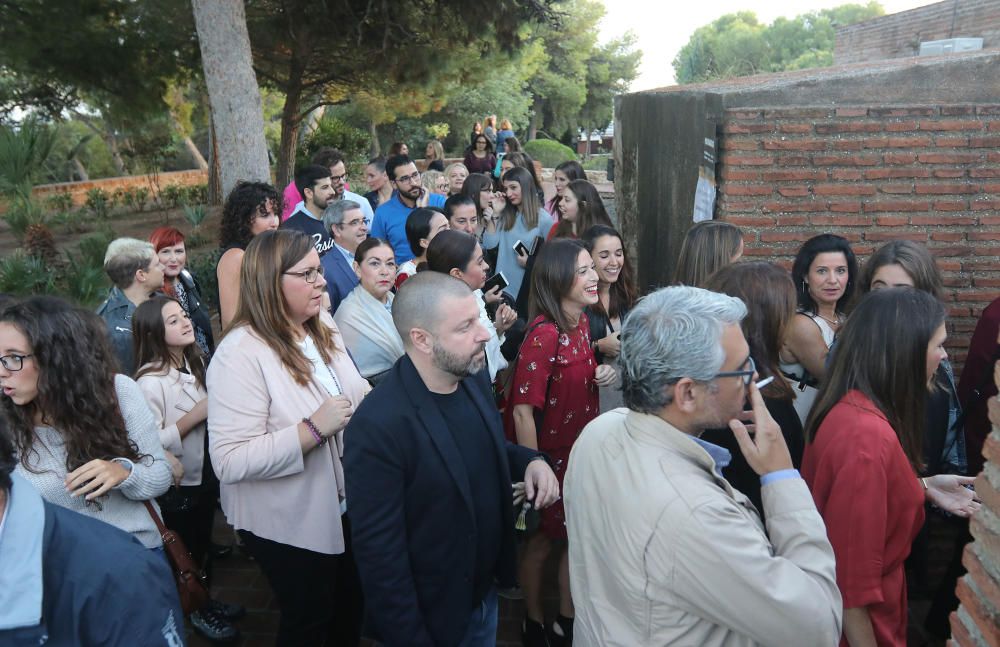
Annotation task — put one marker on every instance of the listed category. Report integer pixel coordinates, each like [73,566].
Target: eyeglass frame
[304,274]
[20,358]
[413,178]
[746,374]
[356,223]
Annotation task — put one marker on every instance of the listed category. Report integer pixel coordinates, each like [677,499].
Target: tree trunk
[291,121]
[234,95]
[196,156]
[312,121]
[78,170]
[111,141]
[214,168]
[536,116]
[375,148]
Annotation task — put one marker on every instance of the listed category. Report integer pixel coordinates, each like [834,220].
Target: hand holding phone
[498,281]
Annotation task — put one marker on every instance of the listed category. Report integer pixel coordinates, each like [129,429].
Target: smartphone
[521,248]
[497,279]
[534,245]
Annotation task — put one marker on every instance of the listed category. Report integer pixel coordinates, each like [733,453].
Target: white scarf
[368,331]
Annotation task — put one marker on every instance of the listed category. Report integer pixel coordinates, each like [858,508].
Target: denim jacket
[117,314]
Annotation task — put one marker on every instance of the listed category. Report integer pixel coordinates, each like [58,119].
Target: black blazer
[412,522]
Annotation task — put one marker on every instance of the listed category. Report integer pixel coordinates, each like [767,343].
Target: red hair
[165,237]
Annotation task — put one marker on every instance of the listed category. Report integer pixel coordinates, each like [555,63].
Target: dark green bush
[352,142]
[549,153]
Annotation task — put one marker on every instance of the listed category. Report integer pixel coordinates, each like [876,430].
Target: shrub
[23,275]
[195,215]
[549,153]
[172,195]
[438,131]
[99,203]
[331,131]
[21,214]
[59,202]
[93,246]
[85,284]
[196,194]
[72,222]
[202,267]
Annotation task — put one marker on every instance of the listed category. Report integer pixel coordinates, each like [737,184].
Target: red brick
[941,189]
[951,142]
[744,114]
[852,160]
[896,205]
[970,559]
[727,144]
[980,613]
[790,207]
[752,221]
[849,127]
[845,174]
[984,235]
[795,129]
[975,296]
[959,312]
[728,205]
[840,221]
[846,145]
[993,157]
[900,158]
[950,111]
[984,172]
[786,220]
[949,173]
[988,110]
[884,173]
[900,126]
[892,234]
[948,158]
[950,205]
[992,187]
[986,250]
[843,189]
[948,266]
[852,112]
[777,176]
[908,142]
[726,173]
[845,207]
[746,189]
[797,113]
[903,111]
[993,126]
[985,142]
[784,236]
[742,128]
[896,188]
[795,144]
[987,221]
[946,236]
[793,191]
[793,160]
[953,124]
[892,221]
[983,282]
[746,160]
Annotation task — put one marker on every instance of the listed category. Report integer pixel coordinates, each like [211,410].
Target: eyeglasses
[309,275]
[14,362]
[412,179]
[357,222]
[746,374]
[336,179]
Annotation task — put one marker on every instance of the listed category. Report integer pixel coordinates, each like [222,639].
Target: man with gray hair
[428,476]
[348,226]
[136,273]
[662,550]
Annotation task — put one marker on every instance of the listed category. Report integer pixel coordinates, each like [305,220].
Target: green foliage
[23,275]
[596,163]
[94,246]
[739,45]
[99,202]
[23,151]
[72,222]
[195,215]
[196,194]
[202,267]
[548,152]
[172,195]
[86,284]
[22,213]
[59,202]
[609,71]
[331,131]
[438,130]
[134,198]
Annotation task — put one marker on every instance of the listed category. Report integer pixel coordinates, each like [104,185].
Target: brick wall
[79,189]
[872,174]
[899,35]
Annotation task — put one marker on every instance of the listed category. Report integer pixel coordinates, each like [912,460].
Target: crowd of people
[423,394]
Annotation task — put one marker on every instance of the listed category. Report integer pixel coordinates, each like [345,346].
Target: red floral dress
[555,375]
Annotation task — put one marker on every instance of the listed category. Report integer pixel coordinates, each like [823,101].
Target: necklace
[832,322]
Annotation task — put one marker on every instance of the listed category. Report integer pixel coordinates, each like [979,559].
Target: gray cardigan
[122,506]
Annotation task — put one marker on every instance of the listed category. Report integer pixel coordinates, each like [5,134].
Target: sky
[664,27]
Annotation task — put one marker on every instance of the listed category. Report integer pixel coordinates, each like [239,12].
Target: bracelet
[923,482]
[320,440]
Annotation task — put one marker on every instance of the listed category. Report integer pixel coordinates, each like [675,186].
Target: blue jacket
[390,224]
[340,276]
[412,521]
[96,584]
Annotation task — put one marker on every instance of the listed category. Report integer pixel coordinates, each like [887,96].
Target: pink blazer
[254,407]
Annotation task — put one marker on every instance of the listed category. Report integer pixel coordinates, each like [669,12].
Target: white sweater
[122,506]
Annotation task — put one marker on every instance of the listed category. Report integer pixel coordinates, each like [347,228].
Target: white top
[321,371]
[797,370]
[495,360]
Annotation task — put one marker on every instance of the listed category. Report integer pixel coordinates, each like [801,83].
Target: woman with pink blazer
[281,389]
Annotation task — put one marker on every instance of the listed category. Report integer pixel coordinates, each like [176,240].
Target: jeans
[482,628]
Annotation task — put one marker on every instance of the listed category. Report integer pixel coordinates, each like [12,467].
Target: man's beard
[456,364]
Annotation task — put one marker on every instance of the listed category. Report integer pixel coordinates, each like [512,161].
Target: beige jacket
[663,552]
[254,407]
[171,394]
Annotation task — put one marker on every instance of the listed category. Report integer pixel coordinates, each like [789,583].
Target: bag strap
[156,518]
[517,357]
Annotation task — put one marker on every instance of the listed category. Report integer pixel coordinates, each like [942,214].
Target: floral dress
[555,374]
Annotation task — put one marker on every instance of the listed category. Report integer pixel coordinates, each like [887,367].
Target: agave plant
[23,151]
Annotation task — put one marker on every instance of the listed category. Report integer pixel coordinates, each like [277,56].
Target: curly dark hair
[76,383]
[245,202]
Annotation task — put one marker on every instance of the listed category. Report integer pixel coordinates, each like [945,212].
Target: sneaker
[561,632]
[214,627]
[513,593]
[533,634]
[227,610]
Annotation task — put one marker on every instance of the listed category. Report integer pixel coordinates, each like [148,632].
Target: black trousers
[319,595]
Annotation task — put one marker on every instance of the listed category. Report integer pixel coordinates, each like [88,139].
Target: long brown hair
[530,204]
[708,246]
[152,355]
[914,258]
[769,295]
[882,352]
[262,305]
[623,293]
[76,383]
[590,211]
[552,279]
